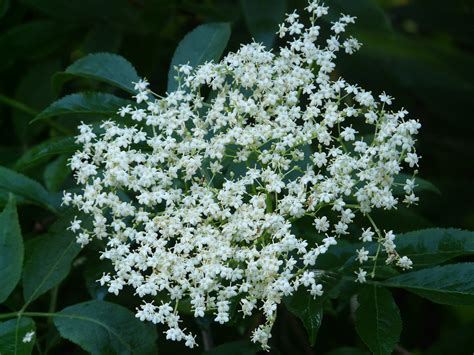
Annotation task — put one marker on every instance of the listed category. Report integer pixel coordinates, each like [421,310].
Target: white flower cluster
[198,199]
[28,337]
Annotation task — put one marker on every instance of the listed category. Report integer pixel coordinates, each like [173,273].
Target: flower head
[199,197]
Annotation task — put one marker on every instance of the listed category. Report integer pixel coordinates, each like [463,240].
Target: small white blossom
[362,255]
[405,262]
[361,274]
[28,337]
[367,235]
[198,198]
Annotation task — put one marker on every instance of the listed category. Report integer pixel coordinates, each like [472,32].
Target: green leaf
[243,347]
[307,308]
[448,284]
[424,247]
[11,249]
[105,67]
[203,44]
[101,327]
[93,270]
[12,333]
[262,18]
[86,103]
[43,151]
[5,195]
[378,320]
[120,14]
[56,172]
[4,5]
[27,188]
[32,40]
[435,245]
[37,79]
[48,259]
[420,185]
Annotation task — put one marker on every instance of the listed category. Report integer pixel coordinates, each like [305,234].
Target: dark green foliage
[109,68]
[203,44]
[435,245]
[263,18]
[87,103]
[27,188]
[106,328]
[12,333]
[378,320]
[43,151]
[309,309]
[11,249]
[48,261]
[448,284]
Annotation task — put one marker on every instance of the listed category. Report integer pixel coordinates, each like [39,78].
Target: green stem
[32,112]
[18,105]
[54,299]
[269,203]
[27,314]
[377,230]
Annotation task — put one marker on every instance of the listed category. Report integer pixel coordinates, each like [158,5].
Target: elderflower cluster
[197,198]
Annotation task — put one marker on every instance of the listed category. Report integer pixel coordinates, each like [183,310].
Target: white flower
[362,255]
[367,235]
[198,198]
[321,224]
[75,225]
[361,274]
[28,337]
[386,99]
[141,85]
[405,263]
[316,290]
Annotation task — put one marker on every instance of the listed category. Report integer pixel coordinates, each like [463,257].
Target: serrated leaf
[43,151]
[48,259]
[12,333]
[105,67]
[448,284]
[307,308]
[86,103]
[11,249]
[262,18]
[435,245]
[27,188]
[205,43]
[378,320]
[101,327]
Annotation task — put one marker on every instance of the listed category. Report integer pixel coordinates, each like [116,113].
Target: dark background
[419,51]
